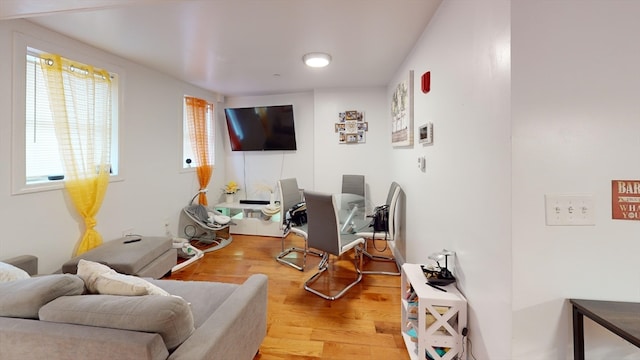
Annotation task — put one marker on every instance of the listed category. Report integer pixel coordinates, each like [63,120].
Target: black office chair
[392,200]
[324,234]
[353,184]
[290,195]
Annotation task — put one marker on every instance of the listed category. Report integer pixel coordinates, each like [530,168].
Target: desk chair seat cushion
[300,230]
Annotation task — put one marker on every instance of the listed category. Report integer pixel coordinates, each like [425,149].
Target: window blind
[42,158]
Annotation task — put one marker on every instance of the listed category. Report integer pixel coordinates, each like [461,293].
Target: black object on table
[621,318]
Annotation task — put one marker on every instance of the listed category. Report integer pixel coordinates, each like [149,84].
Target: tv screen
[261,128]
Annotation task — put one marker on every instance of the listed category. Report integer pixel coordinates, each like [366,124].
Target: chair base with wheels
[323,267]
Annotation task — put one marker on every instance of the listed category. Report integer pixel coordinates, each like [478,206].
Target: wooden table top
[622,318]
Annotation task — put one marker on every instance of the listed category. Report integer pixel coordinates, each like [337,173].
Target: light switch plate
[422,163]
[569,210]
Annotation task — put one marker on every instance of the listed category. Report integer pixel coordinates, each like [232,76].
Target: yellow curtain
[199,135]
[83,129]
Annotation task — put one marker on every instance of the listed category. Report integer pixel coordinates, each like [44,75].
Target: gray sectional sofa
[229,320]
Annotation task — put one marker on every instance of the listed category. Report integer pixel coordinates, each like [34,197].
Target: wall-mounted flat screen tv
[261,128]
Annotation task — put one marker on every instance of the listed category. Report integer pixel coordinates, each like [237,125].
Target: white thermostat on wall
[425,134]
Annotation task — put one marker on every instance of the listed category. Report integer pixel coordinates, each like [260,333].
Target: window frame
[21,47]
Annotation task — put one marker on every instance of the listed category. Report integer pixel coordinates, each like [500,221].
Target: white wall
[154,187]
[253,169]
[463,200]
[575,128]
[370,159]
[320,160]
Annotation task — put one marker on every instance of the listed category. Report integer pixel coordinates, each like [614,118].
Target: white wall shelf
[432,320]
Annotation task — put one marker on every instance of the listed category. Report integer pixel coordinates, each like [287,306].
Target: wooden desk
[621,318]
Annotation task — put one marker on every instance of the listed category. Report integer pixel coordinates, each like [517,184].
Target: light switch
[422,163]
[569,210]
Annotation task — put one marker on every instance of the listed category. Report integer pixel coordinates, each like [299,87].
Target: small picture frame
[351,126]
[425,134]
[351,115]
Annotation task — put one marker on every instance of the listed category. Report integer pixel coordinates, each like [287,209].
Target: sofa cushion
[9,272]
[204,296]
[23,298]
[101,279]
[168,316]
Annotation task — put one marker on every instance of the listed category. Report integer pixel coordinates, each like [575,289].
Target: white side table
[432,320]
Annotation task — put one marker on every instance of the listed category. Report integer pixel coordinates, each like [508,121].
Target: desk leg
[578,334]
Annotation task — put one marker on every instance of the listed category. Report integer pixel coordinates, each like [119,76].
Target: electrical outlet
[569,210]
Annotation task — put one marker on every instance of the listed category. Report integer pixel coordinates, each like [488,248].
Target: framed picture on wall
[402,112]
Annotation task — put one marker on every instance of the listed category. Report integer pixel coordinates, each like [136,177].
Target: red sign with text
[625,199]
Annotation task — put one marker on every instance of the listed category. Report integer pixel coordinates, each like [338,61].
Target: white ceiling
[244,47]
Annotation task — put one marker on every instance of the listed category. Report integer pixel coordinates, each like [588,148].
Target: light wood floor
[364,324]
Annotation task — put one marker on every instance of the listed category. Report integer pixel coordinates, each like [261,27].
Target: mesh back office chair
[353,184]
[289,196]
[392,201]
[324,235]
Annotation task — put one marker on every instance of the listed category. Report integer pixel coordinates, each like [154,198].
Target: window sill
[51,185]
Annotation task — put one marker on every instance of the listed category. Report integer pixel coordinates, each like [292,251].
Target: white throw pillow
[9,272]
[101,279]
[121,284]
[89,271]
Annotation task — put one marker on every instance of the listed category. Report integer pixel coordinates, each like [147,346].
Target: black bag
[380,217]
[380,222]
[297,215]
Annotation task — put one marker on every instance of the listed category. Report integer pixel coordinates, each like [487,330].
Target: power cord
[465,332]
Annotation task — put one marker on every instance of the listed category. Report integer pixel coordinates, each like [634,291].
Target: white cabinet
[248,219]
[432,320]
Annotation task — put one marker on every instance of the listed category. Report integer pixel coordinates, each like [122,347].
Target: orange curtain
[199,135]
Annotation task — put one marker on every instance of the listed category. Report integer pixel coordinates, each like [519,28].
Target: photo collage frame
[351,127]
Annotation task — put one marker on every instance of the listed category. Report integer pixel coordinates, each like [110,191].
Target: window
[42,163]
[189,160]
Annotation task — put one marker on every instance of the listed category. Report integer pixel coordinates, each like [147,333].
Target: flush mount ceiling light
[316,59]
